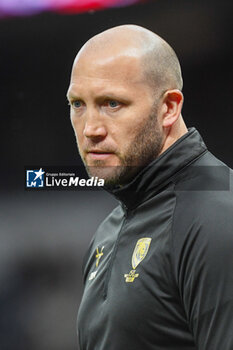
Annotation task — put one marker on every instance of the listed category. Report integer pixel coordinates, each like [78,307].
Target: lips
[99,154]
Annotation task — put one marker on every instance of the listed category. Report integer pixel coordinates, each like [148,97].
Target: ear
[171,107]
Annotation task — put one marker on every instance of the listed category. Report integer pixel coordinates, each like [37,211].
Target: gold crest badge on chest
[139,253]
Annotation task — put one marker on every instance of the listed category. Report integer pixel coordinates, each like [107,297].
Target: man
[159,271]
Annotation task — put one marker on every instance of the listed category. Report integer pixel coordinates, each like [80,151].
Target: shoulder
[202,228]
[204,191]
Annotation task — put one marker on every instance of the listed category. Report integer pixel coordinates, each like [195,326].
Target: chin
[113,175]
[108,173]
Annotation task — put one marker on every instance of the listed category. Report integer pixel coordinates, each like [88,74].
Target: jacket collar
[151,179]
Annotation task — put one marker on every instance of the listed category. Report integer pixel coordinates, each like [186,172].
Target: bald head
[159,64]
[125,101]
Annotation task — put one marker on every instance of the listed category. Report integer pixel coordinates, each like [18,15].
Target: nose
[94,127]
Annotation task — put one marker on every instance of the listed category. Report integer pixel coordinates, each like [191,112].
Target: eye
[77,104]
[113,103]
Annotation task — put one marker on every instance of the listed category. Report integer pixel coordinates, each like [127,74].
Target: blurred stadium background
[44,235]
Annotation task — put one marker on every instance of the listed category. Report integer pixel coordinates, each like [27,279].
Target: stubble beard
[144,148]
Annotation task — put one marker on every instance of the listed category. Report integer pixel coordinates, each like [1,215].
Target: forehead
[117,69]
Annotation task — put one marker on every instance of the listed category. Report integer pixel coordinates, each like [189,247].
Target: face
[115,117]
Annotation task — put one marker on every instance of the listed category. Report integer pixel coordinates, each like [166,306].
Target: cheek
[72,121]
[125,131]
[78,129]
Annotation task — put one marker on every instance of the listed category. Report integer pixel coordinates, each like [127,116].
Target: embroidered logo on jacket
[98,256]
[140,252]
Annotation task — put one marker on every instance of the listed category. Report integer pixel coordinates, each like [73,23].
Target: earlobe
[173,101]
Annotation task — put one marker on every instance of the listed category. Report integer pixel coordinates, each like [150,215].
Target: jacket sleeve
[203,266]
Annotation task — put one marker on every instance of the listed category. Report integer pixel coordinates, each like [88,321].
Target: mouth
[99,155]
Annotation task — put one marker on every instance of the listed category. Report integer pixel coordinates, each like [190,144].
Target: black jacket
[159,271]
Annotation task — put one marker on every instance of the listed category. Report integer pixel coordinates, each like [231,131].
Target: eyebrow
[104,96]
